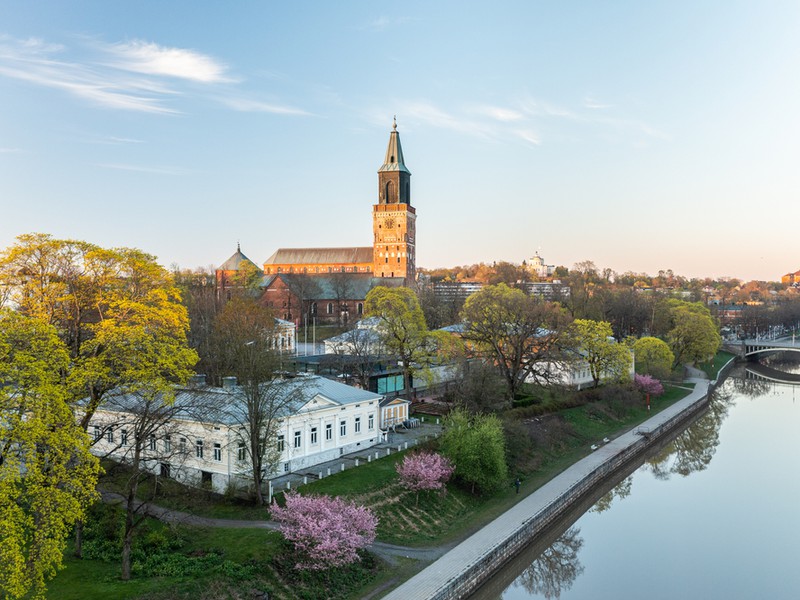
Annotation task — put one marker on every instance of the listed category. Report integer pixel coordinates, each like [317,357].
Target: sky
[642,136]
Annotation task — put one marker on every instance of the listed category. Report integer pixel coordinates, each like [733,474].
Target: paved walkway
[465,556]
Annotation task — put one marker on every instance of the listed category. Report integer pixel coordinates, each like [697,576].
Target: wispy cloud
[151,59]
[527,120]
[144,169]
[594,104]
[133,75]
[249,105]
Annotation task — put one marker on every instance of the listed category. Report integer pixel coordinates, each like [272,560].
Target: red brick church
[330,284]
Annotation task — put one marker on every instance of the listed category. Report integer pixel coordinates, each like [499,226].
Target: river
[713,515]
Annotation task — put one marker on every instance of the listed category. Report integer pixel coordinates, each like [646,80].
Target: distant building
[537,267]
[791,278]
[343,276]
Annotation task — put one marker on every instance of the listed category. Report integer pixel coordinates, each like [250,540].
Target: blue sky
[639,135]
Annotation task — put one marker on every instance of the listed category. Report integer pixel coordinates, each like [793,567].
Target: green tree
[402,327]
[693,335]
[476,446]
[653,356]
[594,343]
[47,474]
[518,333]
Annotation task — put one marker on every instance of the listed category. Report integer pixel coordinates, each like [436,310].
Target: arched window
[389,192]
[360,308]
[330,308]
[313,308]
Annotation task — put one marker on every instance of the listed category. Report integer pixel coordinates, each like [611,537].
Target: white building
[536,265]
[198,440]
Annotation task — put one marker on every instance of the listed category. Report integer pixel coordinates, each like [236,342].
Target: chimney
[197,380]
[229,383]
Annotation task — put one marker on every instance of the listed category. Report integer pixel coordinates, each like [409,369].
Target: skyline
[638,137]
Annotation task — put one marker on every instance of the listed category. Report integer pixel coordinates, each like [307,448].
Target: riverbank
[461,570]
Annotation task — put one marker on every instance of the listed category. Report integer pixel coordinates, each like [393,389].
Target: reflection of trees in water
[556,568]
[693,449]
[751,387]
[622,490]
[789,362]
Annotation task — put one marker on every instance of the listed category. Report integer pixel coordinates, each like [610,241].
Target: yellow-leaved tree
[47,474]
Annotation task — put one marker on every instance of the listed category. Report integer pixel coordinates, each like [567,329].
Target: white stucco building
[199,438]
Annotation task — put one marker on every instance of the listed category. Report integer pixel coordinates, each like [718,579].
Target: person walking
[517,483]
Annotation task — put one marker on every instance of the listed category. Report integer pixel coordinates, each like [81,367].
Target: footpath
[462,570]
[455,571]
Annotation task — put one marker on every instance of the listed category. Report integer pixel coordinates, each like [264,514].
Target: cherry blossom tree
[326,532]
[424,471]
[648,384]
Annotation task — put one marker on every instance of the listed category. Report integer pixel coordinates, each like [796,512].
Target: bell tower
[393,217]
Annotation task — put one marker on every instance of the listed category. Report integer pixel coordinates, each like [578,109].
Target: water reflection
[693,449]
[556,568]
[622,490]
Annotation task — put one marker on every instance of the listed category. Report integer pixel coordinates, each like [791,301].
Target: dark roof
[394,154]
[320,256]
[235,262]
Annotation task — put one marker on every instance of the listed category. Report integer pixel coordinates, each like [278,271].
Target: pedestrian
[517,483]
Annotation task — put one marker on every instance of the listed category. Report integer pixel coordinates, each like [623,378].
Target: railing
[480,570]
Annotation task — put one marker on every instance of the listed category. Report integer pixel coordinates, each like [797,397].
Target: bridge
[754,347]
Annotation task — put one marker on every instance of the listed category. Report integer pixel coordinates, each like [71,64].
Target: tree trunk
[127,541]
[78,539]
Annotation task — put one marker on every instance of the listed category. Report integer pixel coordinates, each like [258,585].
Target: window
[342,428]
[198,449]
[123,437]
[329,431]
[360,308]
[110,434]
[98,433]
[371,422]
[313,308]
[217,453]
[358,425]
[241,453]
[167,444]
[152,443]
[330,308]
[183,445]
[281,443]
[313,435]
[297,439]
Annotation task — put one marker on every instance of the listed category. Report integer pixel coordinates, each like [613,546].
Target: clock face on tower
[389,223]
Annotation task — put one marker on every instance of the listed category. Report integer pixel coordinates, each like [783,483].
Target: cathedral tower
[393,218]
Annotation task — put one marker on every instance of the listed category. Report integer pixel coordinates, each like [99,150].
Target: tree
[517,332]
[325,532]
[653,356]
[648,384]
[401,324]
[47,474]
[594,344]
[476,446]
[693,336]
[424,471]
[243,341]
[118,311]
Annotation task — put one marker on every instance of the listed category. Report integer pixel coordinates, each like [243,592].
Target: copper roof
[394,153]
[320,256]
[235,262]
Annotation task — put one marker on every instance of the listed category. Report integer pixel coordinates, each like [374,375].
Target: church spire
[394,153]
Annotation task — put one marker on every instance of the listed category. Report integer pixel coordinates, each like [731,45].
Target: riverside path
[461,570]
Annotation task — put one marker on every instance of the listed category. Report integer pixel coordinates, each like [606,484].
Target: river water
[715,515]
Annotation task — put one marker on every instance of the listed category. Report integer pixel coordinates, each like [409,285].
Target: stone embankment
[464,568]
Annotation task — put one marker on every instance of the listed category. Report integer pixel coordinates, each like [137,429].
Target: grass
[712,368]
[433,521]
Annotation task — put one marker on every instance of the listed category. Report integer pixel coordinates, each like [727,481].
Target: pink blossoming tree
[326,532]
[424,471]
[647,384]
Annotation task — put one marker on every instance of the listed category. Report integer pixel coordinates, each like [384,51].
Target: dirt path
[177,517]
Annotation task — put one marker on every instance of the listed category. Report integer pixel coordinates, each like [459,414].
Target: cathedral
[330,284]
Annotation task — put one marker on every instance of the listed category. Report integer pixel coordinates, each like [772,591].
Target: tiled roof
[320,256]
